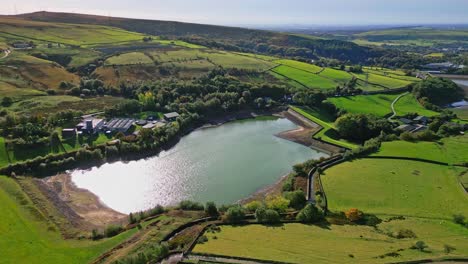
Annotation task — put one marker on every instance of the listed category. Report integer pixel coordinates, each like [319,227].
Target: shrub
[202,239]
[112,230]
[310,214]
[277,203]
[6,101]
[420,245]
[95,235]
[191,206]
[297,199]
[448,249]
[405,233]
[354,215]
[132,219]
[211,209]
[234,215]
[267,216]
[459,219]
[253,206]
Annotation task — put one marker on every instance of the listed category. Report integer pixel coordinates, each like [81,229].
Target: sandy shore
[86,204]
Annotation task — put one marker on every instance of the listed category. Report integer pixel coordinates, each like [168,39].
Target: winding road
[393,106]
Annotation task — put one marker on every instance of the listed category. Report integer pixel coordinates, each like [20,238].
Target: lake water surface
[221,164]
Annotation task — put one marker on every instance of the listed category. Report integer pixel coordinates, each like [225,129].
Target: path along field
[29,237]
[328,133]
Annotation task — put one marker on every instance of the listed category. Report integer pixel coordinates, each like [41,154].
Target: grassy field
[396,187]
[328,133]
[451,150]
[338,75]
[28,236]
[307,79]
[334,243]
[71,34]
[409,104]
[462,113]
[300,65]
[129,58]
[378,104]
[388,82]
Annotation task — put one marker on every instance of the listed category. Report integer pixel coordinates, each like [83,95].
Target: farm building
[171,117]
[406,121]
[406,128]
[421,120]
[116,125]
[90,126]
[68,132]
[21,45]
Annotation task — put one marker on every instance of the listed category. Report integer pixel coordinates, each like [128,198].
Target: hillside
[229,38]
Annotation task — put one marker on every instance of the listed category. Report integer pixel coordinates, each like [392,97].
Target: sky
[262,12]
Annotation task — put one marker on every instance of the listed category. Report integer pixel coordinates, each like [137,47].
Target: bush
[297,199]
[420,245]
[354,215]
[253,206]
[95,235]
[459,219]
[211,209]
[234,215]
[191,206]
[112,230]
[202,239]
[405,233]
[310,214]
[267,216]
[6,101]
[277,203]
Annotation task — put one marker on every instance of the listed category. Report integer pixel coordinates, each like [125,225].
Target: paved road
[393,106]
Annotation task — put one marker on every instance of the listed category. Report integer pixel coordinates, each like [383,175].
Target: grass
[300,65]
[408,104]
[328,133]
[338,75]
[129,58]
[450,150]
[28,236]
[396,187]
[461,113]
[379,104]
[390,83]
[307,79]
[334,243]
[70,34]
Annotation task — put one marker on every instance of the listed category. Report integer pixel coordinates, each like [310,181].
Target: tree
[438,91]
[54,140]
[354,215]
[211,209]
[297,199]
[420,245]
[267,216]
[310,214]
[7,101]
[277,203]
[234,215]
[361,127]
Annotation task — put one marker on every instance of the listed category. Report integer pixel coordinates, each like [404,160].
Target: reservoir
[222,164]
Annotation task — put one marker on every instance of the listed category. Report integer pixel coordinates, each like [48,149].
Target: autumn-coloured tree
[354,215]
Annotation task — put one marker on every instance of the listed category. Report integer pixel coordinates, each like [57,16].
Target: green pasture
[461,113]
[28,237]
[396,187]
[337,75]
[390,83]
[335,243]
[300,65]
[307,79]
[379,104]
[129,58]
[408,104]
[450,150]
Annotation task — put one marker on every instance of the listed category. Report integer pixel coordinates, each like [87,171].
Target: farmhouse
[90,126]
[406,128]
[171,117]
[406,121]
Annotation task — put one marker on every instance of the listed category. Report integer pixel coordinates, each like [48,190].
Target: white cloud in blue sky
[320,12]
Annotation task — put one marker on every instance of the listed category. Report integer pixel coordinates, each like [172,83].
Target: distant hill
[229,38]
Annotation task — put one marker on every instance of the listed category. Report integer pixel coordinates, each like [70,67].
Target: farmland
[305,78]
[334,243]
[366,104]
[409,104]
[393,187]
